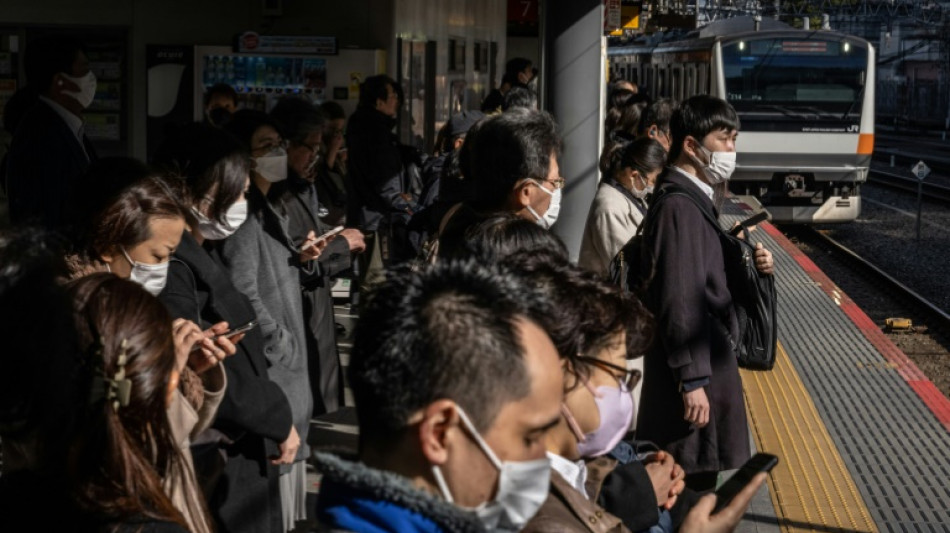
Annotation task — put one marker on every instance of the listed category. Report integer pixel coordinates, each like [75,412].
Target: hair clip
[120,387]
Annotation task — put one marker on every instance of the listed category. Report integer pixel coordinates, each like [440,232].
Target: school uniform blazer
[44,163]
[695,318]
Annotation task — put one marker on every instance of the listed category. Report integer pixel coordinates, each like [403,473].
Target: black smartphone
[761,216]
[760,462]
[238,330]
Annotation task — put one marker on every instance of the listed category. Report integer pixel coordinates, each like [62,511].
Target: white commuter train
[805,101]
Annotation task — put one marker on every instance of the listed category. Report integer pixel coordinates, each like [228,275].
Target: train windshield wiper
[854,102]
[787,111]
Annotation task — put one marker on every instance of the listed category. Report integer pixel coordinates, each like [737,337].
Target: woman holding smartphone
[253,430]
[130,224]
[267,265]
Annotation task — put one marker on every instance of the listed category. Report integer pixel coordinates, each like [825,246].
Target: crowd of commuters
[171,332]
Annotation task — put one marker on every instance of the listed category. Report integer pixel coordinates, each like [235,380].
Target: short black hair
[210,159]
[245,122]
[697,117]
[297,118]
[374,88]
[585,309]
[332,110]
[498,237]
[658,112]
[222,89]
[47,56]
[514,66]
[504,149]
[520,96]
[449,331]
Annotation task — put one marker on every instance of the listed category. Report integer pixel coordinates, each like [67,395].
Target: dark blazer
[254,412]
[43,165]
[689,297]
[298,197]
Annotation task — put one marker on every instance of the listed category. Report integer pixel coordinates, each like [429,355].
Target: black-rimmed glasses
[630,377]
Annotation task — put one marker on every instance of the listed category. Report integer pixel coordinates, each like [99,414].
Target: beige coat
[613,219]
[186,422]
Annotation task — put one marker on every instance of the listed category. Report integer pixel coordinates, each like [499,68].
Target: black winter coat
[254,413]
[689,297]
[374,171]
[298,198]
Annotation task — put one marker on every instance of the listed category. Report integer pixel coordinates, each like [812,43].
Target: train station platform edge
[938,404]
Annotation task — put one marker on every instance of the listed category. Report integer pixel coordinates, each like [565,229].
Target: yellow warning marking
[811,488]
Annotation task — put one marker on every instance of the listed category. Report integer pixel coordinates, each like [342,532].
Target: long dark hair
[120,458]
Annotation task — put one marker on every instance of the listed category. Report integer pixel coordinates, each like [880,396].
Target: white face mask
[720,167]
[641,194]
[554,208]
[273,166]
[151,277]
[87,88]
[522,487]
[214,230]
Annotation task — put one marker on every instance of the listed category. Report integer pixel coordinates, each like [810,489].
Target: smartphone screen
[760,462]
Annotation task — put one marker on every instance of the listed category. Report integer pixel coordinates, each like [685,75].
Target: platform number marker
[921,170]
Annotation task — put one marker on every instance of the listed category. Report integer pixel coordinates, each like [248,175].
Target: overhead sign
[921,170]
[253,42]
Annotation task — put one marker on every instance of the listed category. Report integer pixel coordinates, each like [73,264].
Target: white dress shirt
[575,473]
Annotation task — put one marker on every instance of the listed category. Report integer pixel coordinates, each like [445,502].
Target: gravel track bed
[887,238]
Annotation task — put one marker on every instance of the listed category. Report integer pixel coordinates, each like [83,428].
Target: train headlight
[847,47]
[741,45]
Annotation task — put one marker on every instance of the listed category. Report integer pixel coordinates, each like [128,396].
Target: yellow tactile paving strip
[811,488]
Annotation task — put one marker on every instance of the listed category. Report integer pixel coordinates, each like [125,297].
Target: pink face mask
[616,414]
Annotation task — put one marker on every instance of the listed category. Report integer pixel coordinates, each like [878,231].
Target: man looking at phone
[692,401]
[302,124]
[455,386]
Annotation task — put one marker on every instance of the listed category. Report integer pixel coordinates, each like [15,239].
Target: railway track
[902,300]
[893,180]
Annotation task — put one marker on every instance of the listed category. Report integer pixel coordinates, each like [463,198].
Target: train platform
[863,437]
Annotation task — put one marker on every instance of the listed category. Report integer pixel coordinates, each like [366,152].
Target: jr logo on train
[805,100]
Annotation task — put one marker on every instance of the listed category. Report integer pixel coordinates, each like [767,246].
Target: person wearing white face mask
[267,265]
[254,424]
[131,225]
[456,386]
[50,150]
[692,403]
[621,200]
[511,159]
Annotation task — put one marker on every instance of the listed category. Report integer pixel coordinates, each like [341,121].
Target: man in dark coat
[692,402]
[302,125]
[49,150]
[378,202]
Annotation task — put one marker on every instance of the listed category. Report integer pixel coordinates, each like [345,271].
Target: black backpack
[753,294]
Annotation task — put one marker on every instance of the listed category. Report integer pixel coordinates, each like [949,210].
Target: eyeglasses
[269,145]
[558,182]
[314,148]
[630,377]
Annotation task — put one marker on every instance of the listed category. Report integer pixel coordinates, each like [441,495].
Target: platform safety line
[933,399]
[794,429]
[815,424]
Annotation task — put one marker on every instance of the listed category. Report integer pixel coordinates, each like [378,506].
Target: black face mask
[219,116]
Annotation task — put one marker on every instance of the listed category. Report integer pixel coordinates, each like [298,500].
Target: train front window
[795,78]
